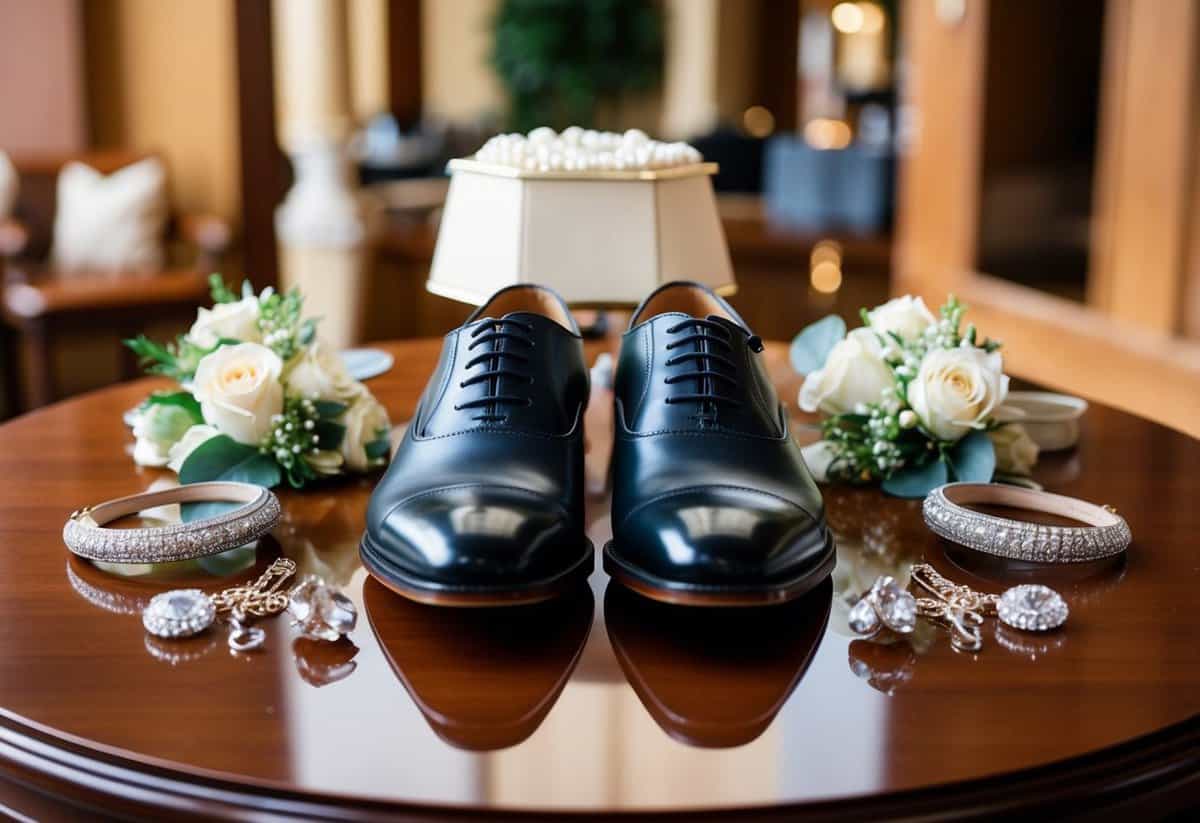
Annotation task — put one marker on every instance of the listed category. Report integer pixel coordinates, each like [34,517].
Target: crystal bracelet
[259,513]
[1106,535]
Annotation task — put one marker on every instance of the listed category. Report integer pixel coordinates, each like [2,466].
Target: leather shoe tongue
[486,678]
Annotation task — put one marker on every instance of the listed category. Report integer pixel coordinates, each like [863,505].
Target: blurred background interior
[1039,158]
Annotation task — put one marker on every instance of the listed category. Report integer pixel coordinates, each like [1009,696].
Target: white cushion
[113,222]
[8,186]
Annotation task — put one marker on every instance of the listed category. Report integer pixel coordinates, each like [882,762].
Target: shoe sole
[432,593]
[692,594]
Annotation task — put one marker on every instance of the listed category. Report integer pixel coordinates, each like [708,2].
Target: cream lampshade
[602,239]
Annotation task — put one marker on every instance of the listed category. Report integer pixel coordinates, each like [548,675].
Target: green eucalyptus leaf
[811,346]
[916,481]
[329,409]
[973,458]
[299,473]
[308,331]
[330,434]
[223,458]
[181,399]
[378,448]
[219,291]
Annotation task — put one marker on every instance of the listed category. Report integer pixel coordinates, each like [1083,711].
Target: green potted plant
[559,59]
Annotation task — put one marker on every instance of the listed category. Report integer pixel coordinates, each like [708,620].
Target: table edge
[1160,770]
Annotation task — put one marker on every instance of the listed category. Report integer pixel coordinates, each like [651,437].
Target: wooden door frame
[1119,355]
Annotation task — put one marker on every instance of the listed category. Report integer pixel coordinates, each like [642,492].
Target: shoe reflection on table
[714,677]
[484,678]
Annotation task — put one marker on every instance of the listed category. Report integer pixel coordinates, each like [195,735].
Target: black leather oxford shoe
[712,502]
[483,501]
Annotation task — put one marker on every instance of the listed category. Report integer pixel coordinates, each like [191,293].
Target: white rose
[854,373]
[957,390]
[229,321]
[819,457]
[325,462]
[319,373]
[1016,453]
[187,444]
[365,422]
[907,316]
[239,390]
[157,428]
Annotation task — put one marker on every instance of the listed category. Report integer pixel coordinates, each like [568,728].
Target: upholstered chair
[42,302]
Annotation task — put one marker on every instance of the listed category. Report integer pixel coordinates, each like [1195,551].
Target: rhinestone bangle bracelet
[259,513]
[1107,534]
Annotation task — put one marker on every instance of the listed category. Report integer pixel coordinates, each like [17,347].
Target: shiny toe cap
[474,535]
[720,535]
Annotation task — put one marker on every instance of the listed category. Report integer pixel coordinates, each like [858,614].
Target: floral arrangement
[260,399]
[910,400]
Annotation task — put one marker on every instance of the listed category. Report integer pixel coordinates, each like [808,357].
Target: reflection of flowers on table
[322,535]
[869,545]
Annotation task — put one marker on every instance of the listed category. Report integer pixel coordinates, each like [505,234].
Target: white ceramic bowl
[1051,419]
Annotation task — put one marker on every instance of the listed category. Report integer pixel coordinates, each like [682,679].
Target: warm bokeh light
[824,134]
[826,251]
[848,18]
[873,18]
[858,18]
[757,121]
[826,277]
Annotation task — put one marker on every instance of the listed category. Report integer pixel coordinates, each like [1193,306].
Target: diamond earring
[886,604]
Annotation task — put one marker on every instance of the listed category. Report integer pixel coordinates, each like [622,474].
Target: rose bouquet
[260,399]
[910,400]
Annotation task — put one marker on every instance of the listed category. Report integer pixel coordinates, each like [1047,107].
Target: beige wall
[161,76]
[456,81]
[41,79]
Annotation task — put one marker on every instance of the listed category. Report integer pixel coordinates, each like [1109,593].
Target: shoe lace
[710,356]
[494,361]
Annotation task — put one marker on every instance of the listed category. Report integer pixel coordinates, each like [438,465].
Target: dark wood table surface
[599,702]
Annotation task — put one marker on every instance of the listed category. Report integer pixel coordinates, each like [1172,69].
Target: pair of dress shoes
[483,503]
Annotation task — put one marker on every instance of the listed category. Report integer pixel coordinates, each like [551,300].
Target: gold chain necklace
[262,598]
[958,608]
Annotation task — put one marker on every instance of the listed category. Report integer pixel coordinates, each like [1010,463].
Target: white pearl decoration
[577,149]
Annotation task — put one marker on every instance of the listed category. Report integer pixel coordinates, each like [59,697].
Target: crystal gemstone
[323,612]
[1032,608]
[896,607]
[863,619]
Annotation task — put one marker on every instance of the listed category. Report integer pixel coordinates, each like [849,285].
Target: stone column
[369,81]
[321,225]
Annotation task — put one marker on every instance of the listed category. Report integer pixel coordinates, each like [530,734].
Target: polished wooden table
[599,702]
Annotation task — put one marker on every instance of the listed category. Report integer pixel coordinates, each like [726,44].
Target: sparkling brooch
[179,613]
